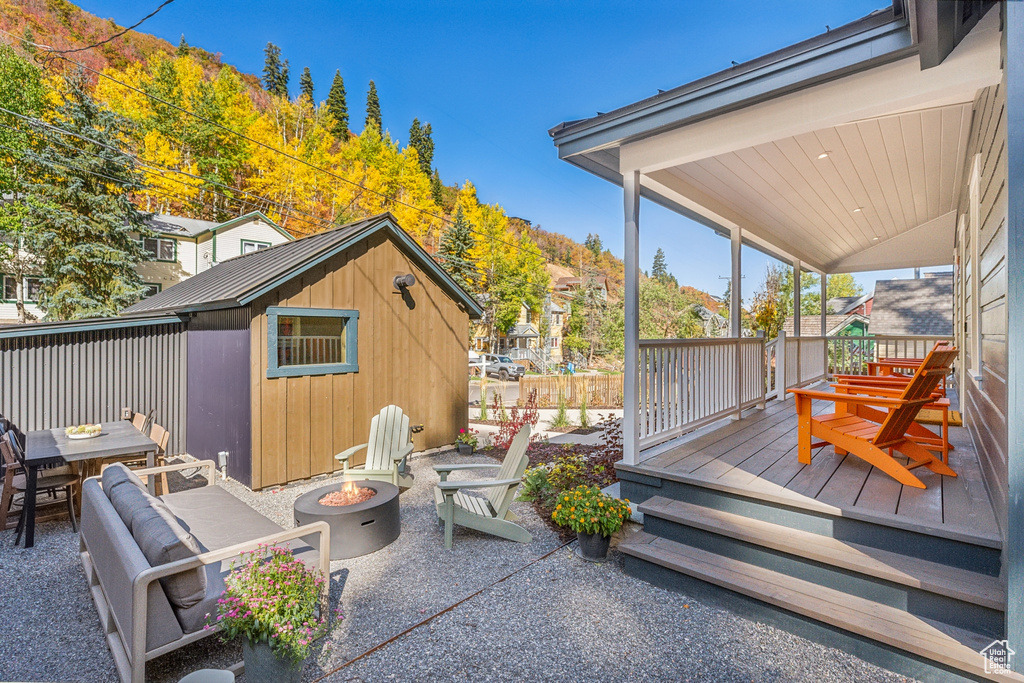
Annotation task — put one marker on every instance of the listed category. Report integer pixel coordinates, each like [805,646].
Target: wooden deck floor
[757,455]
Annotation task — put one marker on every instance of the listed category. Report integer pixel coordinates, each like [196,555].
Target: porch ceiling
[885,193]
[882,178]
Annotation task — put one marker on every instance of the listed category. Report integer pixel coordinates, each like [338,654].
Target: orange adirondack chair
[873,441]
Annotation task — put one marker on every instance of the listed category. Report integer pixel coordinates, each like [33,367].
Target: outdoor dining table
[48,447]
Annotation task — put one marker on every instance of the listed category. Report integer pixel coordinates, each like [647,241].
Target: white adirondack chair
[491,514]
[387,447]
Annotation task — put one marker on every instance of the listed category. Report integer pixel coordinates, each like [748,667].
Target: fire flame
[349,487]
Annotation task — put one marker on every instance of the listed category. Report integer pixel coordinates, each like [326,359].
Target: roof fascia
[83,326]
[862,50]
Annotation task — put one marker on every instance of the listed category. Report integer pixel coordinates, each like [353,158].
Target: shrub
[568,471]
[510,427]
[498,408]
[584,418]
[274,598]
[561,418]
[483,403]
[536,488]
[586,510]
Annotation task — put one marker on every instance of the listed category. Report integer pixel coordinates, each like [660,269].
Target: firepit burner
[356,528]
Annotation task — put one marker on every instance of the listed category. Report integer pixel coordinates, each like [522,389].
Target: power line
[309,165]
[115,36]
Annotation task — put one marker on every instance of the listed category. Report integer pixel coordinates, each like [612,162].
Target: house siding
[410,354]
[985,402]
[229,241]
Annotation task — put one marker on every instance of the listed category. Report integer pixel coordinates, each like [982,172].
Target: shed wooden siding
[412,357]
[985,403]
[60,379]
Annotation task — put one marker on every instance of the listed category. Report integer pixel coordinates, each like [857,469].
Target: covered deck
[756,457]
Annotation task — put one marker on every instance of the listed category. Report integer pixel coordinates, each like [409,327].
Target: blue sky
[493,77]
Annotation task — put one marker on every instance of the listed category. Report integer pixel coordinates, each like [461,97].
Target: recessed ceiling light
[823,155]
[857,210]
[874,239]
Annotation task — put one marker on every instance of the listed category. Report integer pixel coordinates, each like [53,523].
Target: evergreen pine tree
[275,72]
[183,45]
[28,40]
[373,107]
[593,243]
[306,83]
[415,134]
[421,139]
[437,188]
[659,271]
[338,108]
[456,243]
[271,68]
[81,201]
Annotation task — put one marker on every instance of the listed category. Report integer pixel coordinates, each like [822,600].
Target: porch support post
[631,261]
[796,298]
[736,315]
[1013,51]
[824,324]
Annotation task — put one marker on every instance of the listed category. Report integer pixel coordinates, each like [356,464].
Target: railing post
[780,366]
[631,261]
[765,370]
[824,322]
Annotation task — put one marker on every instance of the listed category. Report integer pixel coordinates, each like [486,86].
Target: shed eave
[88,325]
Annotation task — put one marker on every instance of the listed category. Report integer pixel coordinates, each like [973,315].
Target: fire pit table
[357,528]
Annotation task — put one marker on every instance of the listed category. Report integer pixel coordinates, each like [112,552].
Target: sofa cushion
[116,474]
[162,540]
[129,500]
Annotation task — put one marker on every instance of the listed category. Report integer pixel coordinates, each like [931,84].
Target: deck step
[865,618]
[951,582]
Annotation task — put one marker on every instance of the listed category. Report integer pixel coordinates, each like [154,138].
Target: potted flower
[594,516]
[467,441]
[273,603]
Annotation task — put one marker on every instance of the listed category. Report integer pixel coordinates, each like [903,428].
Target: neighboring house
[570,285]
[894,141]
[183,247]
[835,325]
[922,306]
[850,304]
[179,248]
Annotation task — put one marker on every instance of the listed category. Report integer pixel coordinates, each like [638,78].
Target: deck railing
[686,383]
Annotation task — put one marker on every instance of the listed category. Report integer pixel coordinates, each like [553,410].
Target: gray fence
[57,379]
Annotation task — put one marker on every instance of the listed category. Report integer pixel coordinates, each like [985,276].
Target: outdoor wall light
[403,282]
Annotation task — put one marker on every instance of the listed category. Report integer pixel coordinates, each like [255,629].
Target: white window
[151,289]
[160,248]
[249,246]
[30,291]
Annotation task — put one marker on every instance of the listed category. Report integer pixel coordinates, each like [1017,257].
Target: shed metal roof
[239,280]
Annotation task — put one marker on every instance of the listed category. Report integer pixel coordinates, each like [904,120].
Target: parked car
[496,365]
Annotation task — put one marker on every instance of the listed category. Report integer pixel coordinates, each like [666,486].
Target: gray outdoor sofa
[149,607]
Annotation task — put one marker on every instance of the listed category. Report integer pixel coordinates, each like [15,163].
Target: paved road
[509,391]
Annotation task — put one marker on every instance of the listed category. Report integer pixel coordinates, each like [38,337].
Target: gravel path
[559,619]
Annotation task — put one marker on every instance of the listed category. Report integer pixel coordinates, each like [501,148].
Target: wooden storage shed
[292,349]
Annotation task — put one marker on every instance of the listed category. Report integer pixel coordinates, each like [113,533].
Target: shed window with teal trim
[311,341]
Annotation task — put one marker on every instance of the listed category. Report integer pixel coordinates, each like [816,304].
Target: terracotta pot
[593,547]
[263,666]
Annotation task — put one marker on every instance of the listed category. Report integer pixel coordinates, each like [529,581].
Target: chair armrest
[349,452]
[453,486]
[874,390]
[468,466]
[852,398]
[403,453]
[208,465]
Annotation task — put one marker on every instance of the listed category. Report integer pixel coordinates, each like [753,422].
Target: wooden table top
[116,438]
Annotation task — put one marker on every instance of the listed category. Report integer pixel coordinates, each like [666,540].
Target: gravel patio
[522,612]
